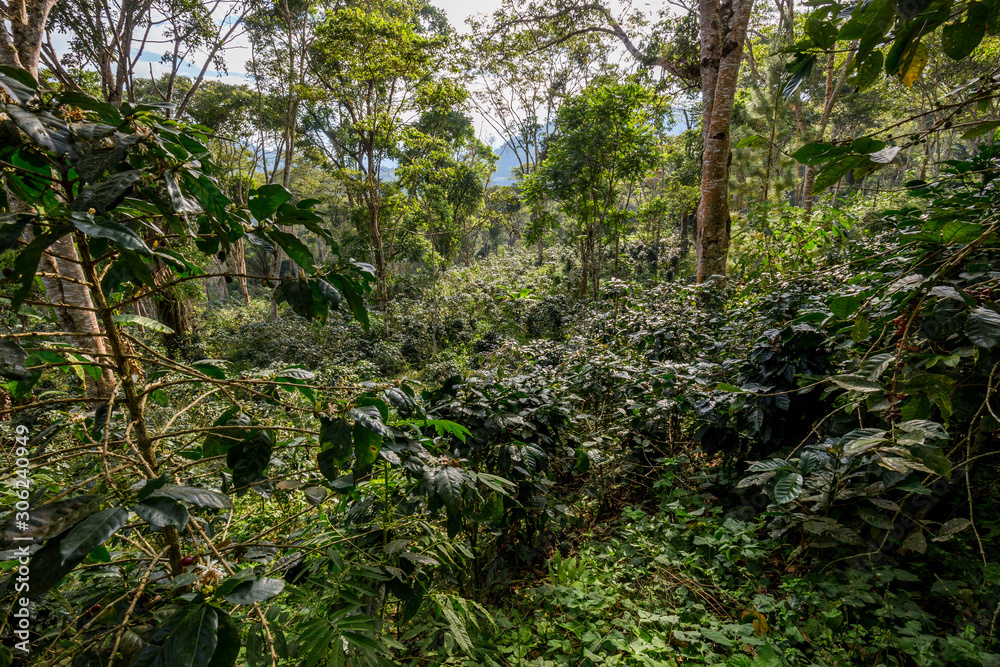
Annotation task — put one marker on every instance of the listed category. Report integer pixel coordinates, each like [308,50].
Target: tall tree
[373,63]
[605,142]
[721,35]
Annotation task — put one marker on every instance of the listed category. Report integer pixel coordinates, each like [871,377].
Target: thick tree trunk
[723,32]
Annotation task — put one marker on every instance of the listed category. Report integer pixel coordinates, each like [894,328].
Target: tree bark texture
[723,33]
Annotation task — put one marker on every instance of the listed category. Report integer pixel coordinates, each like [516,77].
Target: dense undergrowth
[792,469]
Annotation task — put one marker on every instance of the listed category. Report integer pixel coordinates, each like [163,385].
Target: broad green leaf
[199,497]
[92,532]
[10,232]
[190,641]
[18,84]
[160,512]
[367,445]
[916,541]
[855,383]
[48,520]
[12,358]
[335,437]
[861,330]
[960,39]
[950,528]
[256,590]
[249,459]
[297,250]
[834,171]
[227,649]
[983,327]
[973,132]
[787,487]
[751,141]
[297,293]
[266,200]
[149,323]
[118,234]
[106,193]
[43,128]
[844,307]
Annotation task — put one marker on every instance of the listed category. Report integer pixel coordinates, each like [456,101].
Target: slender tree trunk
[239,259]
[832,94]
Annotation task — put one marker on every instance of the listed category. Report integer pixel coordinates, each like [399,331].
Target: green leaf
[330,294]
[458,630]
[92,532]
[213,368]
[26,264]
[199,497]
[227,649]
[868,71]
[118,234]
[916,541]
[447,482]
[226,432]
[250,459]
[160,512]
[266,200]
[983,327]
[296,249]
[257,590]
[150,485]
[297,293]
[335,436]
[855,383]
[822,33]
[18,84]
[107,193]
[149,323]
[367,444]
[43,128]
[753,140]
[353,294]
[712,634]
[844,307]
[48,567]
[10,232]
[959,40]
[834,171]
[788,487]
[12,358]
[861,330]
[800,69]
[191,642]
[973,132]
[370,418]
[950,528]
[48,520]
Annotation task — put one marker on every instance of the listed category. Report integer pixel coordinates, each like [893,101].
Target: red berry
[187,560]
[8,272]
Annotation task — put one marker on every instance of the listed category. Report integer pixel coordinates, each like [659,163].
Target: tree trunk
[723,32]
[832,94]
[240,269]
[22,47]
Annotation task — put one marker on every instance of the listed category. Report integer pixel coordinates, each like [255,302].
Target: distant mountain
[507,165]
